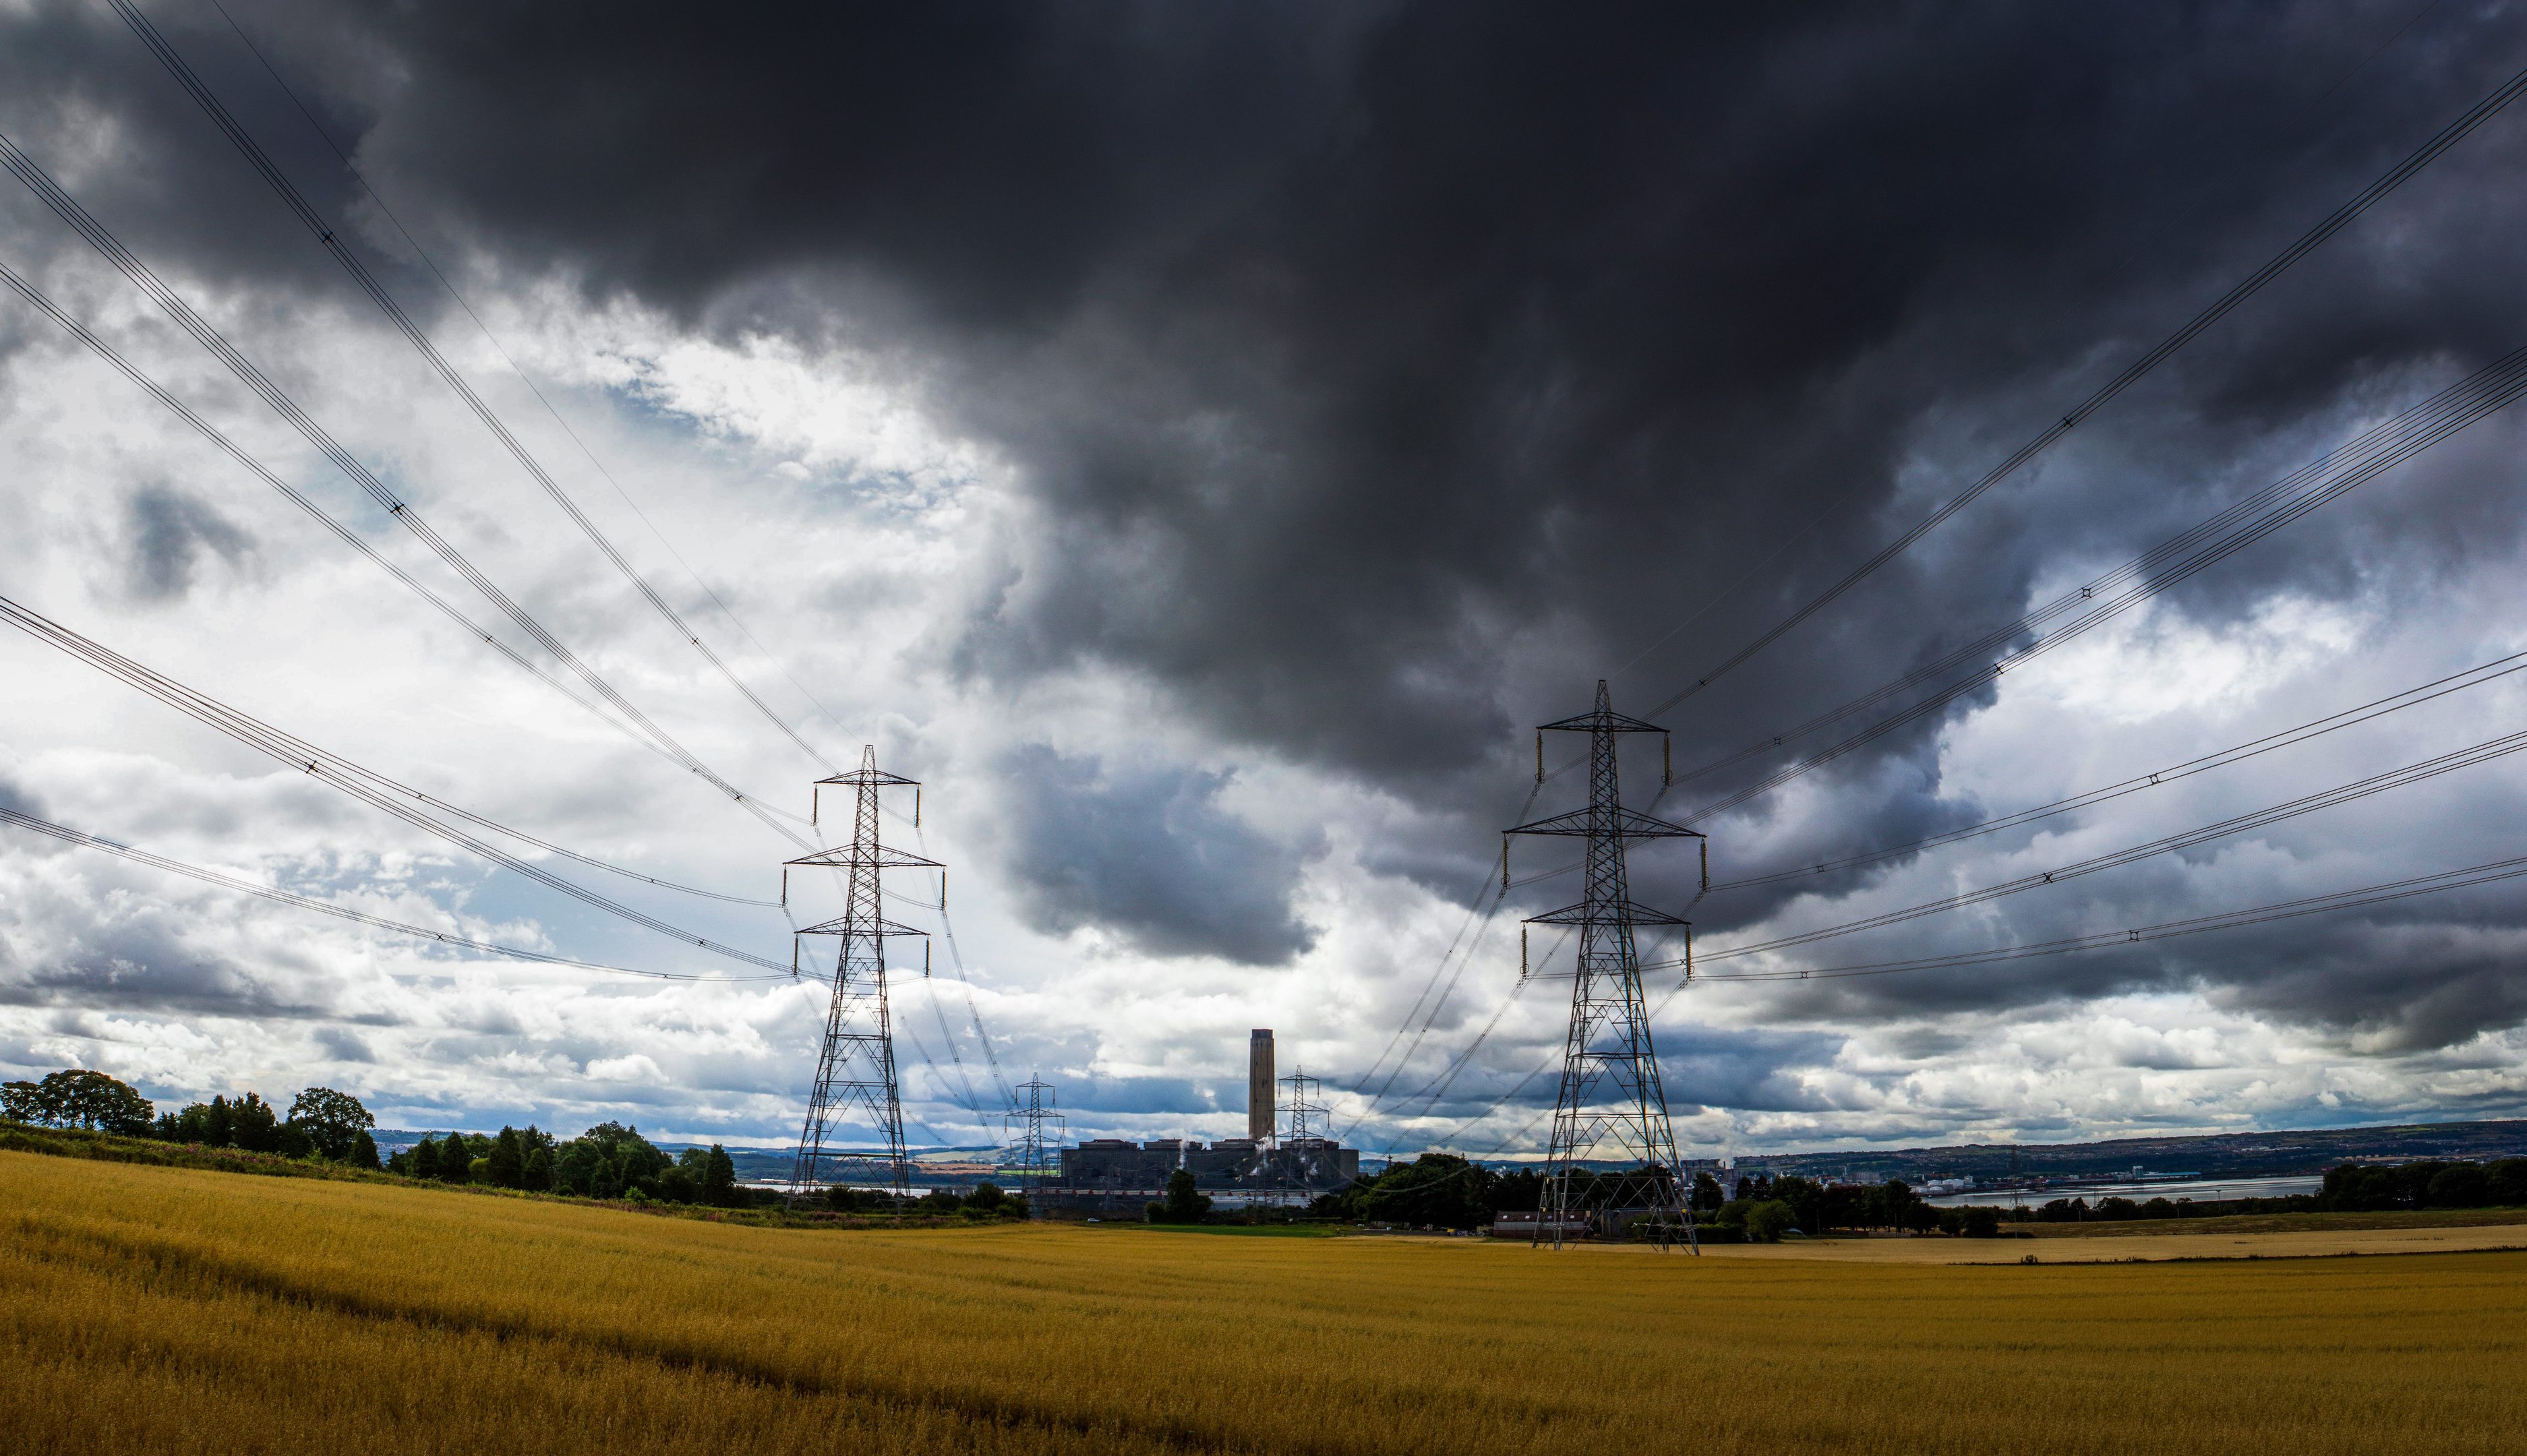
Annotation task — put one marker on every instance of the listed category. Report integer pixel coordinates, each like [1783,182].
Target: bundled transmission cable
[66,206]
[669,546]
[1485,904]
[1437,1088]
[2273,267]
[2393,779]
[2350,899]
[333,770]
[2316,484]
[2475,676]
[17,820]
[352,539]
[957,963]
[327,237]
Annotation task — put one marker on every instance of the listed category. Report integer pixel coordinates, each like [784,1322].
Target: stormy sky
[1200,442]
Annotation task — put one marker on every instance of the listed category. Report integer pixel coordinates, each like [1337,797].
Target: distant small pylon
[1028,1149]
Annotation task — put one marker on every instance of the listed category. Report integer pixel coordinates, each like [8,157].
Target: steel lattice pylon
[1035,1162]
[1301,1157]
[1611,1089]
[855,1064]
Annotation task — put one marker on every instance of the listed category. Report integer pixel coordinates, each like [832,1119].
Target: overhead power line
[25,170]
[333,770]
[17,820]
[2316,484]
[2475,676]
[352,169]
[2410,773]
[2279,263]
[327,239]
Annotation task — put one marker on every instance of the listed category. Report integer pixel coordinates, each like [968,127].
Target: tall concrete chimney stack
[1259,1085]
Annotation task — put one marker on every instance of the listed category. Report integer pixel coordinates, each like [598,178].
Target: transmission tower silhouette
[1025,1123]
[855,1064]
[1304,1156]
[1611,1089]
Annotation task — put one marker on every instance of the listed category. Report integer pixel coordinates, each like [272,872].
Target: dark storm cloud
[1148,854]
[171,533]
[1379,378]
[343,1045]
[140,965]
[1743,1071]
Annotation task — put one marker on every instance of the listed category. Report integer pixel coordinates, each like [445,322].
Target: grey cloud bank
[1357,385]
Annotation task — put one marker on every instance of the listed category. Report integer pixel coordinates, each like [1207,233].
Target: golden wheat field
[167,1310]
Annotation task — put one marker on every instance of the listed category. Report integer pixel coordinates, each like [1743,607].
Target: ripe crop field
[148,1309]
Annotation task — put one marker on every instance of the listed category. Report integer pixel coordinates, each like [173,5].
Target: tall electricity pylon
[855,1066]
[1610,1090]
[1025,1123]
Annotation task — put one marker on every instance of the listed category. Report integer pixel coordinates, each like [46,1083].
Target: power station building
[1259,1162]
[1110,1164]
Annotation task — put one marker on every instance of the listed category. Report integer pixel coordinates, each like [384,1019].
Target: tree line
[1441,1190]
[321,1123]
[607,1161]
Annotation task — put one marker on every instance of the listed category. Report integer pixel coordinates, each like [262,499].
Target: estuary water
[2201,1190]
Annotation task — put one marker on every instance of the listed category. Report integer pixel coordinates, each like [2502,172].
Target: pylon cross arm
[848,926]
[1628,913]
[1603,720]
[859,777]
[1578,824]
[879,856]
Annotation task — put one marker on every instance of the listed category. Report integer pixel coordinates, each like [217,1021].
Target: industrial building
[1110,1164]
[1261,1162]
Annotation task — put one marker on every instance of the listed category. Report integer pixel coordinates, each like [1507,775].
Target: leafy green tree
[456,1157]
[422,1161]
[1520,1190]
[205,1122]
[253,1126]
[841,1198]
[1185,1203]
[678,1182]
[506,1163]
[539,1171]
[1707,1195]
[719,1178]
[2505,1181]
[364,1151]
[2460,1185]
[21,1102]
[81,1099]
[607,1161]
[1436,1189]
[986,1199]
[1768,1220]
[333,1123]
[1892,1204]
[1806,1200]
